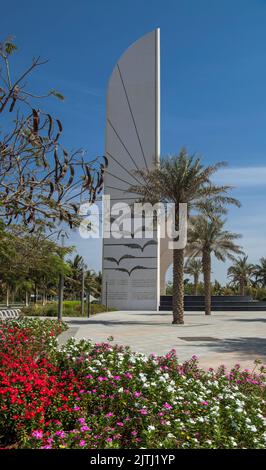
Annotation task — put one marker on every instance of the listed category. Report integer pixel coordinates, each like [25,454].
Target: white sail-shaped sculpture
[131,265]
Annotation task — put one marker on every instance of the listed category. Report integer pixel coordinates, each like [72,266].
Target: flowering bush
[103,396]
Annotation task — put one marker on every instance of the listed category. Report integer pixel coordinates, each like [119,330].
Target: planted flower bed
[103,396]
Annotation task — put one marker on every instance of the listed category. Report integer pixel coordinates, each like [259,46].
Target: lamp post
[61,285]
[88,303]
[82,289]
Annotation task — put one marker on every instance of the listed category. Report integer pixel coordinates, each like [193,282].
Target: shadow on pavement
[243,346]
[249,320]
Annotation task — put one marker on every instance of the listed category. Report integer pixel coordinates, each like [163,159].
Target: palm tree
[181,179]
[260,272]
[207,236]
[241,272]
[93,282]
[193,267]
[74,281]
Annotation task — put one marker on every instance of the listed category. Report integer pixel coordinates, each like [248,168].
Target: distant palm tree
[241,273]
[207,236]
[260,272]
[181,179]
[77,263]
[93,282]
[193,267]
[74,280]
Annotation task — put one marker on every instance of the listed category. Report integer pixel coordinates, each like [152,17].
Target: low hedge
[70,309]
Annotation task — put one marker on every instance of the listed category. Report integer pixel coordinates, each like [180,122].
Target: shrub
[104,396]
[71,308]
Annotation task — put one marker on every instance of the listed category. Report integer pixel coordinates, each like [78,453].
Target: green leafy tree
[32,262]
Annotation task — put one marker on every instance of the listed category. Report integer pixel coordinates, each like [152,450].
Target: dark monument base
[222,303]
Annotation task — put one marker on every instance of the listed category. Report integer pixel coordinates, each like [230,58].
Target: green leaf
[10,48]
[57,95]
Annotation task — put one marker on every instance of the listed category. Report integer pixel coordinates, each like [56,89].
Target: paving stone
[224,337]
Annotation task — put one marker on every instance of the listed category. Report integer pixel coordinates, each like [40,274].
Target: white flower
[142,377]
[151,428]
[253,428]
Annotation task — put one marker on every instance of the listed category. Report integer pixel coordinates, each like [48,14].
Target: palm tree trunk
[242,287]
[35,293]
[206,264]
[196,281]
[178,287]
[7,296]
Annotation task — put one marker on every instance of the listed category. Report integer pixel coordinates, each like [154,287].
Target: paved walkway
[223,338]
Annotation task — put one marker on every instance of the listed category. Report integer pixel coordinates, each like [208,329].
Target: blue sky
[213,84]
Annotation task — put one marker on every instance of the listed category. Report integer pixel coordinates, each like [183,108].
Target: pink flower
[167,406]
[37,434]
[128,375]
[119,423]
[82,443]
[109,414]
[143,411]
[137,394]
[134,433]
[85,428]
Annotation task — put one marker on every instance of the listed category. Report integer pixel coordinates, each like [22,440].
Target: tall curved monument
[131,271]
